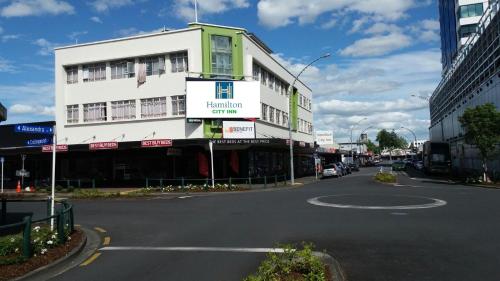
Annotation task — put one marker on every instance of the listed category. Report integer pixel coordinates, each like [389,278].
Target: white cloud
[278,13]
[131,31]
[377,45]
[46,47]
[22,8]
[6,66]
[32,109]
[368,108]
[184,9]
[106,5]
[96,19]
[8,37]
[381,28]
[76,34]
[426,30]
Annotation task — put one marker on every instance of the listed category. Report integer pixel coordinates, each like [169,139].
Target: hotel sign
[103,145]
[156,143]
[222,99]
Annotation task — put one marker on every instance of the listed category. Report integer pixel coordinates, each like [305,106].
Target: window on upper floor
[122,69]
[178,105]
[72,112]
[278,116]
[154,107]
[263,76]
[94,112]
[153,65]
[71,74]
[179,61]
[467,30]
[256,72]
[123,110]
[94,72]
[473,10]
[222,56]
[271,81]
[271,114]
[285,119]
[264,111]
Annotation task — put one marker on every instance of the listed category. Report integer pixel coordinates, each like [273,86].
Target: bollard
[161,182]
[230,184]
[182,182]
[93,183]
[265,181]
[27,237]
[60,227]
[284,180]
[79,183]
[250,182]
[147,182]
[275,180]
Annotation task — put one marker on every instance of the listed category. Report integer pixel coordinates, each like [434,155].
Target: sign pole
[23,157]
[2,160]
[211,146]
[52,207]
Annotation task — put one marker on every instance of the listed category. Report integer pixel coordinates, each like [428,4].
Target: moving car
[354,167]
[399,166]
[331,170]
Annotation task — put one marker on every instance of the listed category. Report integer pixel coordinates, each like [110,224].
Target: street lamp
[413,133]
[290,92]
[352,127]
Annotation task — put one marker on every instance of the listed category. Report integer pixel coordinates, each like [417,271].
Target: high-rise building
[447,21]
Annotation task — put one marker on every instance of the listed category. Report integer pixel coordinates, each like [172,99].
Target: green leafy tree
[373,147]
[482,129]
[390,141]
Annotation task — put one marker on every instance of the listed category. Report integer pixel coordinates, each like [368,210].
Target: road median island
[385,177]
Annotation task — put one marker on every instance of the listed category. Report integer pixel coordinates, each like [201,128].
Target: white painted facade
[167,85]
[463,21]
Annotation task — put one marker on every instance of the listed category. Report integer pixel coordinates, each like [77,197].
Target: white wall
[165,85]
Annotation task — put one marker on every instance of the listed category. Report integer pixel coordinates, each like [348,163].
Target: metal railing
[64,223]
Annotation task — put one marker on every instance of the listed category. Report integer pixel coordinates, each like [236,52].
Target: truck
[436,158]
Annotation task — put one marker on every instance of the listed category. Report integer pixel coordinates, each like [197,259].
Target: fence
[64,222]
[250,182]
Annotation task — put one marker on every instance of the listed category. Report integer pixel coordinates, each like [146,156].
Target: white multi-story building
[468,13]
[116,95]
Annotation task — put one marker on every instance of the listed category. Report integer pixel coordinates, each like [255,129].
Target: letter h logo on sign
[224,90]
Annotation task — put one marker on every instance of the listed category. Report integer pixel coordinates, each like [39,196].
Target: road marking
[436,203]
[107,241]
[399,214]
[197,249]
[184,197]
[100,229]
[91,259]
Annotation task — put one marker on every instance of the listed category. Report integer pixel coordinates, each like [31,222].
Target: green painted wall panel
[295,109]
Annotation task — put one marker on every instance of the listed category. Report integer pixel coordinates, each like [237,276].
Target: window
[179,62]
[256,72]
[94,72]
[123,110]
[94,112]
[72,114]
[154,107]
[277,86]
[222,56]
[178,105]
[271,81]
[72,75]
[285,119]
[154,65]
[264,112]
[271,114]
[263,76]
[122,69]
[283,89]
[278,116]
[467,30]
[473,10]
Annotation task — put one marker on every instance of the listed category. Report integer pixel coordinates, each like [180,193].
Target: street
[454,240]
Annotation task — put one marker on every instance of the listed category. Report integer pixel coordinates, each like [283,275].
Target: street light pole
[352,128]
[290,92]
[413,133]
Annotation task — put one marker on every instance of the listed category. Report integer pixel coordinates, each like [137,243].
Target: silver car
[331,170]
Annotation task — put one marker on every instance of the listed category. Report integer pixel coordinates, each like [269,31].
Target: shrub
[291,265]
[385,177]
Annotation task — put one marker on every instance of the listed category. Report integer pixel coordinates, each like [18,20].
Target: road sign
[23,173]
[38,142]
[30,129]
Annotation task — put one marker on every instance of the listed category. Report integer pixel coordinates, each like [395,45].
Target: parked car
[331,170]
[419,165]
[354,167]
[399,166]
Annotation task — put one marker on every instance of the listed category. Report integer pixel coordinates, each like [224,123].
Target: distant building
[3,113]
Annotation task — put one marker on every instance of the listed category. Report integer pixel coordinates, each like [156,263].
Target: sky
[382,51]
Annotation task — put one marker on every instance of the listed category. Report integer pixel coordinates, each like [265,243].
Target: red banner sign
[103,145]
[156,143]
[59,148]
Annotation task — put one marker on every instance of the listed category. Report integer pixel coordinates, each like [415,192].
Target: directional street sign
[38,142]
[30,129]
[23,173]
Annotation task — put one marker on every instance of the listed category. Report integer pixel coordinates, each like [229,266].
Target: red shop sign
[103,145]
[156,143]
[59,148]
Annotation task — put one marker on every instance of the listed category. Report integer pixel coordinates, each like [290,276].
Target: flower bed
[385,177]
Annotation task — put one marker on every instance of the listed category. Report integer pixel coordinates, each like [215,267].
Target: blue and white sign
[30,129]
[38,142]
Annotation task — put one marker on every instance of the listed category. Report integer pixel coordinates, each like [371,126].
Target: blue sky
[383,51]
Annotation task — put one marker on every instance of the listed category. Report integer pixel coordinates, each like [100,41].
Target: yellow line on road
[100,229]
[107,240]
[91,259]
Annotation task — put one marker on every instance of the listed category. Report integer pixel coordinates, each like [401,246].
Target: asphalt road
[455,240]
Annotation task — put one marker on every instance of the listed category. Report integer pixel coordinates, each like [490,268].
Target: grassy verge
[385,177]
[292,265]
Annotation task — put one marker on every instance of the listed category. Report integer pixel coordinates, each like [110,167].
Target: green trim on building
[295,109]
[212,129]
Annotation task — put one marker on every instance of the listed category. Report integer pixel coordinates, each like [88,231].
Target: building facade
[121,107]
[473,79]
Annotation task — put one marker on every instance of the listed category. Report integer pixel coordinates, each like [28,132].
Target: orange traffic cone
[32,189]
[18,188]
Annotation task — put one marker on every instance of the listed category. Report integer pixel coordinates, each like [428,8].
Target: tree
[482,129]
[373,147]
[390,141]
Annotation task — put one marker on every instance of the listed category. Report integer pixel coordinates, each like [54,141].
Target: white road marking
[184,197]
[399,214]
[436,203]
[197,249]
